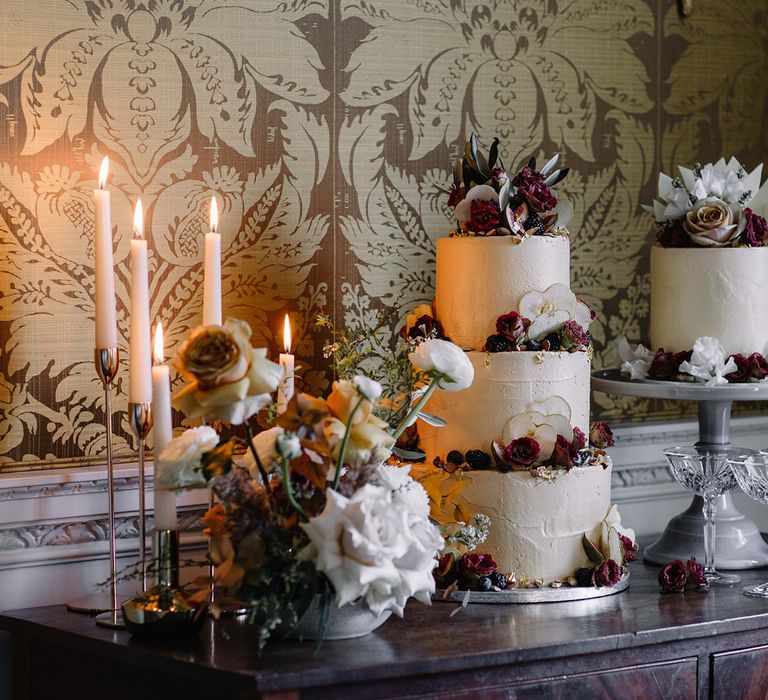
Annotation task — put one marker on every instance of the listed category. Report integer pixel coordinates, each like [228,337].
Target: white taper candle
[140,374]
[105,311]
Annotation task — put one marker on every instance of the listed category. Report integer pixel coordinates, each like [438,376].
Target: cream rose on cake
[710,223]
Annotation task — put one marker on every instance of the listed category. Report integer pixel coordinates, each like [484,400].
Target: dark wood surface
[638,643]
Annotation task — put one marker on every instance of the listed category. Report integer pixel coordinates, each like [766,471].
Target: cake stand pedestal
[739,544]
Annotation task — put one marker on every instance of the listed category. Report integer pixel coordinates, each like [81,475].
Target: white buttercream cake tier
[481,278]
[505,385]
[721,293]
[537,525]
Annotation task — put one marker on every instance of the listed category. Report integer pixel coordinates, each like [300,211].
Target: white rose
[180,460]
[266,448]
[448,362]
[372,548]
[369,388]
[405,491]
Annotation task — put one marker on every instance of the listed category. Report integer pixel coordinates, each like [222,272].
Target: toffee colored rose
[484,215]
[673,577]
[629,547]
[539,196]
[511,325]
[478,564]
[579,439]
[458,192]
[673,235]
[758,366]
[743,370]
[661,366]
[696,575]
[522,452]
[574,333]
[601,435]
[709,223]
[447,569]
[607,574]
[214,355]
[565,453]
[755,231]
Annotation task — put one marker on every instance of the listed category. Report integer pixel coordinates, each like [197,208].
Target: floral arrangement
[616,550]
[711,206]
[705,363]
[312,507]
[677,576]
[487,201]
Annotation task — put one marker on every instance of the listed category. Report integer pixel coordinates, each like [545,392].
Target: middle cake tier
[505,386]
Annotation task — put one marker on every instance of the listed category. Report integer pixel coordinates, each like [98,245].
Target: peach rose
[710,223]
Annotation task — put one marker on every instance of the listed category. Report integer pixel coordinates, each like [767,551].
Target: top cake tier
[481,278]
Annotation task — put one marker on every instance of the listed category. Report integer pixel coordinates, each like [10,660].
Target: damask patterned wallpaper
[322,127]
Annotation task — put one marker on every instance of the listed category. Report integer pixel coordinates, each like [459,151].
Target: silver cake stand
[739,544]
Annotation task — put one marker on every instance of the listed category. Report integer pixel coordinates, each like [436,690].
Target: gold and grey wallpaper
[322,127]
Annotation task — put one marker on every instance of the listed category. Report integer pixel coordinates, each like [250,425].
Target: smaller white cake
[720,292]
[505,385]
[537,525]
[482,278]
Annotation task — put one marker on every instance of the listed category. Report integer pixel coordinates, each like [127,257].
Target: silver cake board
[545,594]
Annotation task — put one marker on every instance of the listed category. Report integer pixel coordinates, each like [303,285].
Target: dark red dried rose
[511,325]
[742,372]
[579,439]
[600,434]
[426,327]
[758,366]
[662,366]
[479,564]
[539,196]
[574,334]
[458,192]
[484,215]
[673,235]
[629,547]
[523,452]
[679,357]
[565,453]
[607,574]
[756,229]
[527,176]
[696,575]
[673,576]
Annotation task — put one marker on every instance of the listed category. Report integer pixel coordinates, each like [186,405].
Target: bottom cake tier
[536,524]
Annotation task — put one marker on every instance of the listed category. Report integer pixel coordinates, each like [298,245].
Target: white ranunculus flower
[708,362]
[550,309]
[405,491]
[373,548]
[288,445]
[266,448]
[463,211]
[634,360]
[447,361]
[179,461]
[369,388]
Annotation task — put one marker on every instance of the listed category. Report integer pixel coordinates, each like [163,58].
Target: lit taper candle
[287,361]
[106,324]
[212,280]
[162,432]
[140,383]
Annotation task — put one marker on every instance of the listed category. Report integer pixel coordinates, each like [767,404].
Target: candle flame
[138,221]
[214,215]
[158,352]
[287,334]
[103,170]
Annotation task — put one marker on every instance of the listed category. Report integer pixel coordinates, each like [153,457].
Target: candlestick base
[111,619]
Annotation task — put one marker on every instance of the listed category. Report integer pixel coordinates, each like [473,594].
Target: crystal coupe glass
[752,475]
[707,472]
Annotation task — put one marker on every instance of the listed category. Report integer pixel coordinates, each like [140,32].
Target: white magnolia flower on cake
[634,360]
[445,361]
[550,309]
[611,528]
[542,427]
[708,362]
[405,490]
[266,448]
[180,460]
[374,548]
[463,211]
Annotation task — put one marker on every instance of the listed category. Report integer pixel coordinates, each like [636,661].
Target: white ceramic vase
[348,622]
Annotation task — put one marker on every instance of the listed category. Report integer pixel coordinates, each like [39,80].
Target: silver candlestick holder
[107,362]
[140,420]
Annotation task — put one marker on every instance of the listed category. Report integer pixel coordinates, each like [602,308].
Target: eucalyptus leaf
[550,164]
[457,172]
[432,420]
[416,455]
[532,163]
[327,596]
[504,194]
[493,153]
[591,550]
[557,176]
[473,148]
